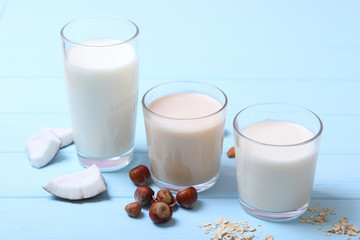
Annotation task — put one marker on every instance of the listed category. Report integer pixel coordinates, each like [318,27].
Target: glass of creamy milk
[276,147]
[101,68]
[184,129]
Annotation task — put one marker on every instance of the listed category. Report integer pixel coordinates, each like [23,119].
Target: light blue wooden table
[302,52]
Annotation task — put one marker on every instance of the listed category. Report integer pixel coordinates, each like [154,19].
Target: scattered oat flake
[223,220]
[229,230]
[312,209]
[248,237]
[322,213]
[269,237]
[216,236]
[343,228]
[240,230]
[223,230]
[351,233]
[228,236]
[354,228]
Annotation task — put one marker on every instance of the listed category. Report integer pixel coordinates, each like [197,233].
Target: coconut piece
[83,184]
[65,134]
[42,148]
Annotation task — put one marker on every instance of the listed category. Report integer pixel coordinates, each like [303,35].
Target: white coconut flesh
[83,184]
[65,134]
[42,148]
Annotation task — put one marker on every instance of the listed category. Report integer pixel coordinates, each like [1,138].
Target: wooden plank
[342,183]
[336,97]
[233,41]
[206,62]
[41,218]
[303,23]
[16,128]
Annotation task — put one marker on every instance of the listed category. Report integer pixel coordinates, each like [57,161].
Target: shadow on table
[60,157]
[226,185]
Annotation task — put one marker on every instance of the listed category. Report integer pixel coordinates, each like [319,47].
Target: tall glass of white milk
[184,130]
[101,68]
[276,149]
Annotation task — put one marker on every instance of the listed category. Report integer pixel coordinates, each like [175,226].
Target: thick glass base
[106,164]
[274,216]
[175,188]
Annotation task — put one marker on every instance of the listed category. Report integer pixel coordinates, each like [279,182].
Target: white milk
[185,152]
[102,92]
[275,179]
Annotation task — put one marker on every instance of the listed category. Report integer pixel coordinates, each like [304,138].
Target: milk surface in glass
[275,178]
[102,91]
[184,146]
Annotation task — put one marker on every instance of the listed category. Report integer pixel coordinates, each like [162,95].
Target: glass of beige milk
[276,147]
[101,68]
[184,129]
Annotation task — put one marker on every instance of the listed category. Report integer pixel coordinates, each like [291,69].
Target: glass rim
[312,139]
[185,119]
[64,38]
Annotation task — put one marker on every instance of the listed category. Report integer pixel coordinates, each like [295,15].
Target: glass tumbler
[184,130]
[101,68]
[276,149]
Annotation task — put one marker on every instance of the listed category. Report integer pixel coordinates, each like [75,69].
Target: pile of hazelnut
[161,208]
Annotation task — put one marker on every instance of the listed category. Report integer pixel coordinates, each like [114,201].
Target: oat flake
[269,237]
[225,230]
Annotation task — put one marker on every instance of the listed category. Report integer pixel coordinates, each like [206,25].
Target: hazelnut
[143,195]
[160,212]
[187,197]
[140,175]
[164,195]
[231,152]
[133,209]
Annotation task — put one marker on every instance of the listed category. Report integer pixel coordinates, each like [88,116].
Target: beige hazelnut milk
[275,178]
[184,135]
[102,91]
